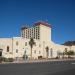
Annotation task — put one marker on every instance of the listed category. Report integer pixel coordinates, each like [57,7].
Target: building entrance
[1,52]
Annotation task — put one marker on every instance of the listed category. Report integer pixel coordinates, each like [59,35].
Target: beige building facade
[17,47]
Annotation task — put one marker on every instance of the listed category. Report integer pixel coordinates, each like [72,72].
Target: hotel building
[17,47]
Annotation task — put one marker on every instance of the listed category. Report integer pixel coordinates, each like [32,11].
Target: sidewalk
[37,61]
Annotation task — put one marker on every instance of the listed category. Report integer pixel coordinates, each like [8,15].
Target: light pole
[43,47]
[12,45]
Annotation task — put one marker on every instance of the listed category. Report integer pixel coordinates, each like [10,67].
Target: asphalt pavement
[39,68]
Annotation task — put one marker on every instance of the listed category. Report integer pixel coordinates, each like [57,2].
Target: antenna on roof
[46,20]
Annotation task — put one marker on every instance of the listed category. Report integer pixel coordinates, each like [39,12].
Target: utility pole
[12,46]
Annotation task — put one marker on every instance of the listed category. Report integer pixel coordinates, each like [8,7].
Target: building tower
[40,31]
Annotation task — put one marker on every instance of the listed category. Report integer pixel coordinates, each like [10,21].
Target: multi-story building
[38,32]
[16,47]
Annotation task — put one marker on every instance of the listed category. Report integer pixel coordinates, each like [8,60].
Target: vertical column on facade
[31,32]
[38,33]
[28,33]
[34,32]
[24,33]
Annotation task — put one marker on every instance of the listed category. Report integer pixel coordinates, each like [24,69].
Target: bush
[57,57]
[8,59]
[39,57]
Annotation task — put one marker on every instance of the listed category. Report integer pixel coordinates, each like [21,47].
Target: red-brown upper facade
[43,23]
[37,24]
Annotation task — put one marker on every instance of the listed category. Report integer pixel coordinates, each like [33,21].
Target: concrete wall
[4,42]
[45,33]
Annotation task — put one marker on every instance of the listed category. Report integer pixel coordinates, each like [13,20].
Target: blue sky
[59,13]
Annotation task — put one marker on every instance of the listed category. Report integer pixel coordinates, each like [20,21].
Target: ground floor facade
[18,47]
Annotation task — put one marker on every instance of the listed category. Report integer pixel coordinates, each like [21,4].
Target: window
[38,37]
[16,43]
[35,51]
[16,50]
[7,48]
[28,34]
[35,43]
[34,33]
[39,45]
[39,52]
[25,43]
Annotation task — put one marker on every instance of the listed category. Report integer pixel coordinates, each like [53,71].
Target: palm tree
[65,52]
[47,50]
[31,43]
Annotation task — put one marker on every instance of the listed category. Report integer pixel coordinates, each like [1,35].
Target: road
[43,68]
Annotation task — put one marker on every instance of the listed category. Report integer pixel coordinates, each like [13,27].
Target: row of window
[35,52]
[18,43]
[9,49]
[34,32]
[17,50]
[25,44]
